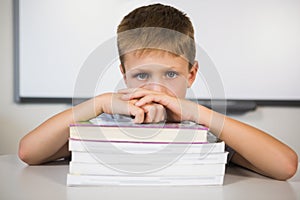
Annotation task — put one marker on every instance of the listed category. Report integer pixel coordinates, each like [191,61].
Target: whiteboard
[252,45]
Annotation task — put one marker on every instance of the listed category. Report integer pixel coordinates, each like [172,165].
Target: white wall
[17,119]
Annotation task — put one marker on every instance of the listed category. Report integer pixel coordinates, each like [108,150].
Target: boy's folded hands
[161,106]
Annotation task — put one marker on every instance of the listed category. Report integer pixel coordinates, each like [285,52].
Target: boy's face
[159,71]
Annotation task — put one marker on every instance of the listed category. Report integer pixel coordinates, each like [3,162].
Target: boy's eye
[142,76]
[171,74]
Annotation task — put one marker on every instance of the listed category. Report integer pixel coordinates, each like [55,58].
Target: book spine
[94,158]
[86,180]
[104,147]
[174,170]
[144,135]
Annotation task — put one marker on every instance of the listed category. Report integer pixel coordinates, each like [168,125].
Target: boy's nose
[155,87]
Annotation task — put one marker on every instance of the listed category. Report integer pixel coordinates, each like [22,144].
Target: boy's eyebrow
[138,70]
[143,67]
[174,67]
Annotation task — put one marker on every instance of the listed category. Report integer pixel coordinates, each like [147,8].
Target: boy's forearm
[46,142]
[261,150]
[264,152]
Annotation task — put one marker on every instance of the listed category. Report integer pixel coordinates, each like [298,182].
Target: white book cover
[138,134]
[87,180]
[124,158]
[154,169]
[144,148]
[120,128]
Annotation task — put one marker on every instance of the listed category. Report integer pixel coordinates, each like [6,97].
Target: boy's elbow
[289,167]
[25,155]
[22,155]
[293,166]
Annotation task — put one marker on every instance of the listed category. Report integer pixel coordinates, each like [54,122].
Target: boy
[157,77]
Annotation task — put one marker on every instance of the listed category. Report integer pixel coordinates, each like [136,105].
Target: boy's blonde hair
[159,27]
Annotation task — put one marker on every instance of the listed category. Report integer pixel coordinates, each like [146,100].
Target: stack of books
[144,154]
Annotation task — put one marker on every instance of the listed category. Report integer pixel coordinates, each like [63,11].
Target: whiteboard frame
[249,104]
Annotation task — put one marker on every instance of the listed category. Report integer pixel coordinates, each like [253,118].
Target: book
[180,133]
[143,148]
[112,150]
[156,170]
[96,157]
[87,180]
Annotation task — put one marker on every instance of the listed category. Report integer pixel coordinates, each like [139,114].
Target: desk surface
[19,181]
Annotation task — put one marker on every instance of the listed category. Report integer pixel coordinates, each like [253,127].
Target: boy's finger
[135,95]
[161,114]
[149,113]
[136,90]
[149,99]
[138,114]
[126,97]
[154,113]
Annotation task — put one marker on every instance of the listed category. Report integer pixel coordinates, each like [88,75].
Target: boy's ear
[192,74]
[123,72]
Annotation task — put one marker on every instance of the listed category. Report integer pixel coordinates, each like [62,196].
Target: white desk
[19,181]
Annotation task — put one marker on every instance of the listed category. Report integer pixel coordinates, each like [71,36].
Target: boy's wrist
[204,115]
[99,103]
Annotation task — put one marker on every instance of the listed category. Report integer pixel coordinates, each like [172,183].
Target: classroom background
[18,119]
